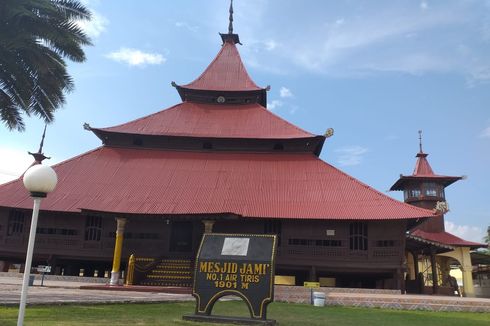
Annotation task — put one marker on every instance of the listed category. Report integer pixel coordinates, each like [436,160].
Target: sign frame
[222,258]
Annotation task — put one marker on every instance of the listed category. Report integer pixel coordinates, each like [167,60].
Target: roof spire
[420,141]
[230,37]
[39,156]
[230,25]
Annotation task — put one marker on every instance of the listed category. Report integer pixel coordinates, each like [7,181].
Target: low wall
[300,294]
[47,277]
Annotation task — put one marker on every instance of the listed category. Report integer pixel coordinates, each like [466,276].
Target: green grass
[285,314]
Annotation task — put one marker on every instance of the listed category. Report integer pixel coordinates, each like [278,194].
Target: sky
[376,72]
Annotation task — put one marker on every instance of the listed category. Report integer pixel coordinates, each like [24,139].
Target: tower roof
[422,166]
[423,172]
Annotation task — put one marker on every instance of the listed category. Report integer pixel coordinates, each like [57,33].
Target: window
[313,242]
[385,243]
[56,231]
[415,193]
[93,228]
[278,147]
[432,189]
[358,236]
[15,223]
[273,227]
[138,142]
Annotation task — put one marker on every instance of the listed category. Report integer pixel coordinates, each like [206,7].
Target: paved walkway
[61,292]
[65,291]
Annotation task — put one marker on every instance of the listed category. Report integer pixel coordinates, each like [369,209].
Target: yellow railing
[130,274]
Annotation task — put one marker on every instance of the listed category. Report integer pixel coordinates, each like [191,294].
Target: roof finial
[420,141]
[230,25]
[39,156]
[230,37]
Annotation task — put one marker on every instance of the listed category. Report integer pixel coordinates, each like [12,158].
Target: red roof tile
[422,166]
[225,73]
[445,238]
[248,184]
[213,120]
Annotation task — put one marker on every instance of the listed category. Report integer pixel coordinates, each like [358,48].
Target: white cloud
[270,45]
[485,133]
[134,57]
[15,163]
[94,27]
[285,92]
[350,156]
[187,26]
[274,104]
[466,232]
[340,21]
[424,5]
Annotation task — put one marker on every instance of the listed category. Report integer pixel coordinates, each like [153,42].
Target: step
[169,277]
[157,271]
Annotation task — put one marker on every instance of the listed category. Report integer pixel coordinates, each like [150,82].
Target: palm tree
[35,37]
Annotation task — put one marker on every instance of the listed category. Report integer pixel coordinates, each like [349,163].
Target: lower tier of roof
[142,181]
[443,238]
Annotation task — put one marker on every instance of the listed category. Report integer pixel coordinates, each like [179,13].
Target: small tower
[425,189]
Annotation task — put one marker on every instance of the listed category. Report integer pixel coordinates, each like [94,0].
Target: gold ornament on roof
[329,133]
[441,207]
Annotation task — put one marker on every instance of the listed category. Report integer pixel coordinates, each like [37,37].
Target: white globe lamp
[39,180]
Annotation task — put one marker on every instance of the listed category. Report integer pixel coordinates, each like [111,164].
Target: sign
[312,285]
[234,264]
[44,269]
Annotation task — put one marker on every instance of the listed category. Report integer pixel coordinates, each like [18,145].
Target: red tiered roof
[423,171]
[422,166]
[225,73]
[444,238]
[269,185]
[213,120]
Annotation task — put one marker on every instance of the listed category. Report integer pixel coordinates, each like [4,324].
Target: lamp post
[38,180]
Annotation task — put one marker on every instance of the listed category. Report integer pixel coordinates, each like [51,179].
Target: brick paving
[66,291]
[383,299]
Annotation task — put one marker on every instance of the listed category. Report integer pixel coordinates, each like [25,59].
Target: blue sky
[376,72]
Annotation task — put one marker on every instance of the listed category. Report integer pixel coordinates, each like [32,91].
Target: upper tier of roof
[225,73]
[422,166]
[142,181]
[213,120]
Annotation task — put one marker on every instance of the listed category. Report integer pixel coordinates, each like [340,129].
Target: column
[435,278]
[410,258]
[445,269]
[4,266]
[208,226]
[467,269]
[116,262]
[312,274]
